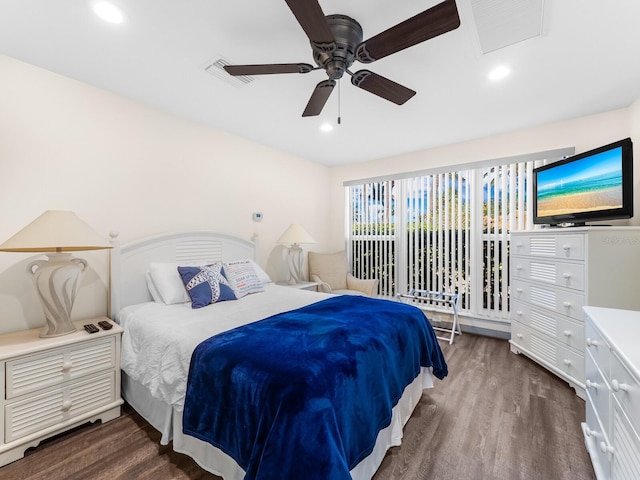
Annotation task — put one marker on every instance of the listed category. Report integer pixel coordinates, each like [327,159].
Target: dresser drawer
[548,351]
[565,330]
[565,302]
[58,405]
[598,389]
[556,246]
[626,389]
[563,274]
[570,362]
[33,372]
[595,438]
[520,335]
[598,348]
[626,445]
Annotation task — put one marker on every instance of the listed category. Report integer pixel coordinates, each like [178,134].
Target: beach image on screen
[592,183]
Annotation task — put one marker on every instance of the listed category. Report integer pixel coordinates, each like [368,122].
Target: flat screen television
[591,186]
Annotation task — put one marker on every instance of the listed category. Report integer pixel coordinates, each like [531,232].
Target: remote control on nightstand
[91,328]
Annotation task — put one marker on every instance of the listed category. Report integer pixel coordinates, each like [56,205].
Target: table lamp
[56,233]
[294,236]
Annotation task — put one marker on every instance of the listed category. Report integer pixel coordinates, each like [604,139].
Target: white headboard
[129,262]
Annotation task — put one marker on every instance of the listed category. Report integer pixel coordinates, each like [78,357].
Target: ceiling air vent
[216,68]
[501,23]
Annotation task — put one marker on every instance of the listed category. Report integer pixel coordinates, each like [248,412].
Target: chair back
[332,268]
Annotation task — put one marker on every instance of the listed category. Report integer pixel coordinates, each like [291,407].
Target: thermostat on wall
[257,216]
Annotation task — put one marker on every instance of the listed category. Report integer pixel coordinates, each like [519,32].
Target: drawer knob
[66,405]
[519,335]
[566,304]
[519,290]
[566,246]
[592,343]
[604,448]
[519,313]
[567,333]
[566,275]
[591,384]
[617,386]
[66,366]
[590,433]
[567,362]
[518,267]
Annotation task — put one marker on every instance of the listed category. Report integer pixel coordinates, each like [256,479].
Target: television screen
[594,185]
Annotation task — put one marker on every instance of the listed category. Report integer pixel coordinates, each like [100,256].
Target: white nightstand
[311,286]
[56,383]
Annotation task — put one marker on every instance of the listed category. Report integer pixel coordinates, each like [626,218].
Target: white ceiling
[586,61]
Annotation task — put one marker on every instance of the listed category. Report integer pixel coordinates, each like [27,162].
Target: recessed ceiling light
[108,12]
[326,127]
[499,73]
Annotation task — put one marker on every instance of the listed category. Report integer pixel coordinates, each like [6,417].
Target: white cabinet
[554,272]
[612,426]
[54,384]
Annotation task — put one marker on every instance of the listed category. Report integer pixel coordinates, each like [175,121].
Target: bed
[164,342]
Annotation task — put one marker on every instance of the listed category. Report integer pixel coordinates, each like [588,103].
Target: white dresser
[611,430]
[554,273]
[54,384]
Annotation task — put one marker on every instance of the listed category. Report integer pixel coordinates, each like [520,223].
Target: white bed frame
[128,266]
[130,262]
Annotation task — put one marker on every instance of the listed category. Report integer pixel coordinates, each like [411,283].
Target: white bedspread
[159,339]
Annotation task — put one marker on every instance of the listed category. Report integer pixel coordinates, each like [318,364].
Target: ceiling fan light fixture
[499,73]
[108,12]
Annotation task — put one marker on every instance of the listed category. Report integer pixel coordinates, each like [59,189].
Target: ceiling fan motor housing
[347,33]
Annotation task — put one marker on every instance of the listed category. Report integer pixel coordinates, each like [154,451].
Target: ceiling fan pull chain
[339,83]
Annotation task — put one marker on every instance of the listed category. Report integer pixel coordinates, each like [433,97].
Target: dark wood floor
[496,416]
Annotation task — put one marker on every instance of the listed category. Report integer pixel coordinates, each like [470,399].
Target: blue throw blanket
[303,394]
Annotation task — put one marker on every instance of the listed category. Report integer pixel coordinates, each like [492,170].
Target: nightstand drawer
[34,372]
[56,406]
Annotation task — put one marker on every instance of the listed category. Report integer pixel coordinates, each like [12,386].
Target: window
[443,231]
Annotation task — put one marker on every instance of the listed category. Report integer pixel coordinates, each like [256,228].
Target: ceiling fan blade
[268,68]
[318,98]
[435,21]
[381,86]
[312,20]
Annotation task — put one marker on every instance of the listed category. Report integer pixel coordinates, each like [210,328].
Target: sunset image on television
[593,183]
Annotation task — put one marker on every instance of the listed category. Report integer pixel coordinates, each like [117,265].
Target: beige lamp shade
[296,234]
[56,279]
[55,231]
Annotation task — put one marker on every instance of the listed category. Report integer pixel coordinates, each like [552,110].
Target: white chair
[331,271]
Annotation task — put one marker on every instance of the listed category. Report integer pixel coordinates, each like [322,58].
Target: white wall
[123,166]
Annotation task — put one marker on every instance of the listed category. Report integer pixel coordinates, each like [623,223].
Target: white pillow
[152,288]
[168,283]
[262,275]
[242,277]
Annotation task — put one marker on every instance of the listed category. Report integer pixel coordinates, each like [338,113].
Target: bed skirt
[168,421]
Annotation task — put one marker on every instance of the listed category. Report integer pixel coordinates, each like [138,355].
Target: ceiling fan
[336,42]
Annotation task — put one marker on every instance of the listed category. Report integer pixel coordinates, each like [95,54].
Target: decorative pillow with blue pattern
[206,284]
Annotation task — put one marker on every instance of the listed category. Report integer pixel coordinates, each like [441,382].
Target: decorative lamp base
[57,281]
[295,264]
